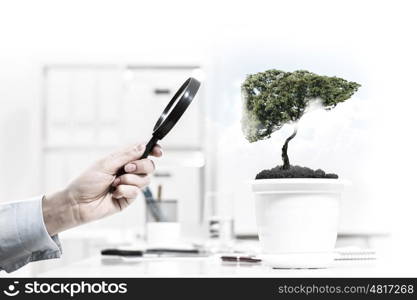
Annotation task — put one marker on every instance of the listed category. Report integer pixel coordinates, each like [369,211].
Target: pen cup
[165,229]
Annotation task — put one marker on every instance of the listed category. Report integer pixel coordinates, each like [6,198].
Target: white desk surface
[213,267]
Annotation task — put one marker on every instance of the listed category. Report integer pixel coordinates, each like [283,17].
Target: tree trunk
[284,155]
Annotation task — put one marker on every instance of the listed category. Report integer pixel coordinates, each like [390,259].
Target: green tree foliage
[274,98]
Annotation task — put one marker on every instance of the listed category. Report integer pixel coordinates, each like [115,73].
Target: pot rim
[298,185]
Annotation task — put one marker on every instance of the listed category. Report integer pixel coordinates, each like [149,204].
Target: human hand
[97,192]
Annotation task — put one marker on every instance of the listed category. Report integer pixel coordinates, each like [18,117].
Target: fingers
[156,151]
[112,163]
[128,192]
[116,160]
[127,188]
[132,179]
[143,166]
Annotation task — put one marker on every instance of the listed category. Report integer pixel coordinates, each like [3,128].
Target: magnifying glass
[171,114]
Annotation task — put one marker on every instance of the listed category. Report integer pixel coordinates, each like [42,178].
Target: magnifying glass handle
[148,149]
[149,146]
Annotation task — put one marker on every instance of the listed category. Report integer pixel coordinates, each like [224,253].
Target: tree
[274,98]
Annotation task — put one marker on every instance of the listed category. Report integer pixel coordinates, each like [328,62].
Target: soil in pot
[294,172]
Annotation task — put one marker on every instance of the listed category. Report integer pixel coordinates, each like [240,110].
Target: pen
[240,259]
[158,251]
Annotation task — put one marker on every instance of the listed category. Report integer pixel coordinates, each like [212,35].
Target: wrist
[59,212]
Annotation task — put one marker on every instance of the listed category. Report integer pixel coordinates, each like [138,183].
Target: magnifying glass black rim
[168,119]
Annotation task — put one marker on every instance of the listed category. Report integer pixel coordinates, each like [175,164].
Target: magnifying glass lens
[172,106]
[171,114]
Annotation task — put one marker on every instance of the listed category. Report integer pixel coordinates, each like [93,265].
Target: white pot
[297,220]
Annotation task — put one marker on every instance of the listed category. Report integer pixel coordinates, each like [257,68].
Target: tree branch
[284,155]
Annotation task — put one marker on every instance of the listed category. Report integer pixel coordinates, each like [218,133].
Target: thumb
[118,159]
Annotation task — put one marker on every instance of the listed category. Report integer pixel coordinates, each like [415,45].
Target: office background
[79,78]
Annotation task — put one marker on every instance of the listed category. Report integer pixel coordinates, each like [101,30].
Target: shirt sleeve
[23,235]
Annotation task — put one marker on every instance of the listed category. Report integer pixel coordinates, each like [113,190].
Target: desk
[212,266]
